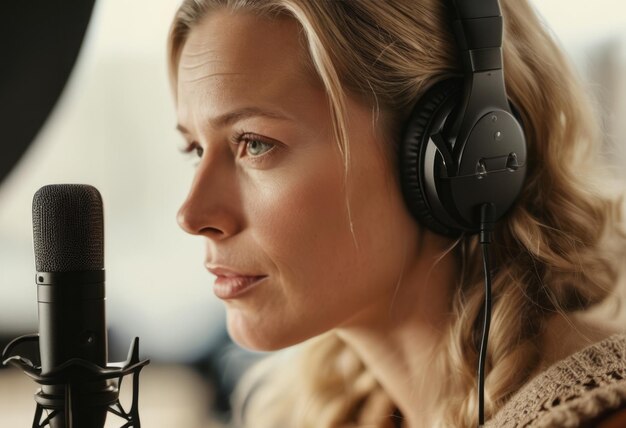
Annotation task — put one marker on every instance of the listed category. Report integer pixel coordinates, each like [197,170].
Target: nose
[211,206]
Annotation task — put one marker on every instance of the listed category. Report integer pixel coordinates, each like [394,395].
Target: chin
[259,339]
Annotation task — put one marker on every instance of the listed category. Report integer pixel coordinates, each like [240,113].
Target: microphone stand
[72,374]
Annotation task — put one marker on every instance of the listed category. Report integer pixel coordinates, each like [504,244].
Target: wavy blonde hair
[555,251]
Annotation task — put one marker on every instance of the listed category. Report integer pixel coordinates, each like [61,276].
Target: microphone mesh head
[68,229]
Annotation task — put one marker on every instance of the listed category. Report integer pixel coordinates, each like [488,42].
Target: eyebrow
[238,115]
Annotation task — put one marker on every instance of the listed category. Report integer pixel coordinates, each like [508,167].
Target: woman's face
[268,195]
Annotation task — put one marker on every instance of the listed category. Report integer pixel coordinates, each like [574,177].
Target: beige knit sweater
[571,392]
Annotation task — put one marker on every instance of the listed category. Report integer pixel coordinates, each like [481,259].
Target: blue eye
[256,147]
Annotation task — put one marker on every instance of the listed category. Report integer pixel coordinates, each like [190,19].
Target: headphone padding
[413,149]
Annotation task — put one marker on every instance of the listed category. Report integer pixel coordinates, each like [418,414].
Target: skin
[283,213]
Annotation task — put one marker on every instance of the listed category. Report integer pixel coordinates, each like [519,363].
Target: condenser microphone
[68,238]
[78,387]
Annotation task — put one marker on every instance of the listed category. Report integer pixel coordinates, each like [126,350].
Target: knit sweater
[572,392]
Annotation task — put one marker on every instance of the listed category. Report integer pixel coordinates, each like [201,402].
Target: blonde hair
[554,252]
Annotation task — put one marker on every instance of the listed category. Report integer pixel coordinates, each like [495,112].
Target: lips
[229,272]
[230,283]
[231,287]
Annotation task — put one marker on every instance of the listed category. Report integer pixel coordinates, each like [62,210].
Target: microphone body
[71,318]
[72,325]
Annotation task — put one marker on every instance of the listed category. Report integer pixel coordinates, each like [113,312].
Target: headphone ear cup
[426,118]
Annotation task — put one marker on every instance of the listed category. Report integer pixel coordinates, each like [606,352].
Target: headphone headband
[477,27]
[473,9]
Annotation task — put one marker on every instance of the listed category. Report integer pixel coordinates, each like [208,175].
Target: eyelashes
[248,145]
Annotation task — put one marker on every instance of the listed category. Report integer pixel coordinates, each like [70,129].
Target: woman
[294,109]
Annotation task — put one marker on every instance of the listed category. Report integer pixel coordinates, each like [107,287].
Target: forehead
[231,58]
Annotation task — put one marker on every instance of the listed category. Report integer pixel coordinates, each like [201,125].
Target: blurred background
[113,128]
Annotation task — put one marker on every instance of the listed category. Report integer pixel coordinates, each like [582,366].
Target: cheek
[302,220]
[298,220]
[297,216]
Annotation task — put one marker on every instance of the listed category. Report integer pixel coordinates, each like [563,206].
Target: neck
[398,339]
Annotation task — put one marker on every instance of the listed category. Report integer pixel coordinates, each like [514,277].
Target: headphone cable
[487,220]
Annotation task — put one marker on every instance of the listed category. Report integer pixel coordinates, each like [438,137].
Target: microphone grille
[68,228]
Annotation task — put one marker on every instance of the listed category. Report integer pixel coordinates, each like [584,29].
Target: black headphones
[463,145]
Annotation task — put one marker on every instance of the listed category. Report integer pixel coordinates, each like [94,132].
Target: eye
[253,146]
[193,148]
[256,147]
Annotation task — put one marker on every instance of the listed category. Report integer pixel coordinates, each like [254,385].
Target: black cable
[487,219]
